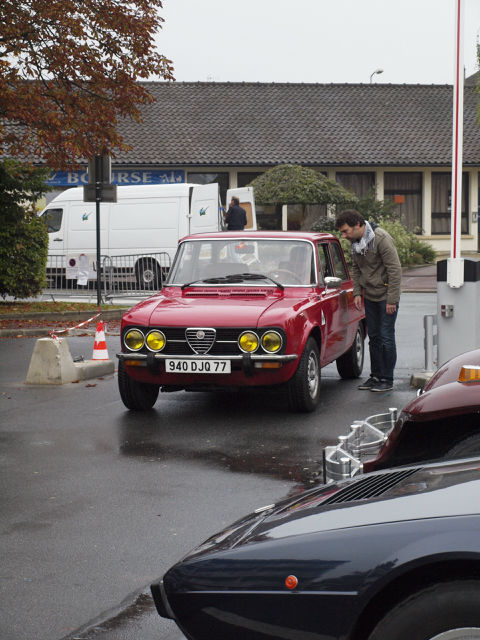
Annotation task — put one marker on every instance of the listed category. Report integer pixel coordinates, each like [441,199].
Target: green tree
[23,235]
[294,184]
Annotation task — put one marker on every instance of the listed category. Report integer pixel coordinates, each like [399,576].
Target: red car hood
[218,307]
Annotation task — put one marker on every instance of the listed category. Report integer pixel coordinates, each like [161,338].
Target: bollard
[429,340]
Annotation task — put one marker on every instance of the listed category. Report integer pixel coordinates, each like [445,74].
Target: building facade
[395,139]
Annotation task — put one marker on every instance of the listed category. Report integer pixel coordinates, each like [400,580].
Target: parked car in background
[442,423]
[242,310]
[390,555]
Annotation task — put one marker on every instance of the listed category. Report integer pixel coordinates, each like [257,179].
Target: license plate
[197,366]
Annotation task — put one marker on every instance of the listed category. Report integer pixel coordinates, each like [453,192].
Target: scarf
[366,242]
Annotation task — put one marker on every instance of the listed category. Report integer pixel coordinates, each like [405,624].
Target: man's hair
[350,217]
[235,200]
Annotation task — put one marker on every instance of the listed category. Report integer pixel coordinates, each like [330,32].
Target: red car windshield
[289,262]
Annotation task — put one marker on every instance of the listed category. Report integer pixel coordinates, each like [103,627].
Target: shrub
[411,250]
[23,235]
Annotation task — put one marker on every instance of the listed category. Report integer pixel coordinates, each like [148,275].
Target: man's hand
[391,308]
[357,301]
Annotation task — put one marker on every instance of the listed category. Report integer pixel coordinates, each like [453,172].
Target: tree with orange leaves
[69,72]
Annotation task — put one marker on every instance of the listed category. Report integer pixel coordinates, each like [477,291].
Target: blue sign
[121,177]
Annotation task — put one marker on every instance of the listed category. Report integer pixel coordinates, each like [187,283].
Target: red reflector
[291,582]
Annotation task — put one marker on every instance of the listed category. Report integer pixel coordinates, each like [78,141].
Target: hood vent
[226,293]
[369,486]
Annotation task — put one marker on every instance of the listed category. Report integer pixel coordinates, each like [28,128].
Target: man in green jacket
[377,277]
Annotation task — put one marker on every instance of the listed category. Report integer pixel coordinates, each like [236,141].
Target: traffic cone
[100,351]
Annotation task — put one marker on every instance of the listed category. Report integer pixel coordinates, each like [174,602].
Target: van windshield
[53,219]
[288,262]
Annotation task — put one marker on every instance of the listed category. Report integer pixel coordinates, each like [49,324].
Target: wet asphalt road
[97,502]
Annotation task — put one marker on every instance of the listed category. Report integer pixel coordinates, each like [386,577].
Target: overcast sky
[317,40]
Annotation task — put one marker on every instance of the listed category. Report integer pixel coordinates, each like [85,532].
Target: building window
[359,183]
[269,217]
[223,180]
[404,189]
[441,203]
[305,217]
[244,178]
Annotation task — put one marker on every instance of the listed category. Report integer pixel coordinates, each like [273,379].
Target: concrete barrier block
[52,363]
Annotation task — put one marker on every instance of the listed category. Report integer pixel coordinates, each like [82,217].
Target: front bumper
[363,443]
[142,359]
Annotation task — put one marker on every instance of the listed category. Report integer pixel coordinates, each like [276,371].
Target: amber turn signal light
[469,373]
[291,582]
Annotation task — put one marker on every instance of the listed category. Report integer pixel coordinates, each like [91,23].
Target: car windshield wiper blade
[237,277]
[260,276]
[234,277]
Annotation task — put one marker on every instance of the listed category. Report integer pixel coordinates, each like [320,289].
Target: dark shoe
[383,385]
[368,384]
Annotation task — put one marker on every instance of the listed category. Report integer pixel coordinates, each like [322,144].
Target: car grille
[200,340]
[224,342]
[370,486]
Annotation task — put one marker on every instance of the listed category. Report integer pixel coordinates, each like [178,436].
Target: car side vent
[370,486]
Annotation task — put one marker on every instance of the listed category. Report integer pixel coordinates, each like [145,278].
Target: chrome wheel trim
[148,275]
[359,346]
[313,378]
[463,633]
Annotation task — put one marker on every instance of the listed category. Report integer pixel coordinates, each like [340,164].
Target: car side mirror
[332,282]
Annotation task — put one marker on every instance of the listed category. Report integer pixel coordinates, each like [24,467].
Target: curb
[113,314]
[419,380]
[109,314]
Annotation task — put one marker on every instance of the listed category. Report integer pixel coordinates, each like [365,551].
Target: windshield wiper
[260,276]
[232,278]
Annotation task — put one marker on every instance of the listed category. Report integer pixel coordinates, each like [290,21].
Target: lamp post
[375,72]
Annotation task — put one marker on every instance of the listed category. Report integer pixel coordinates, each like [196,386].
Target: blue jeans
[381,336]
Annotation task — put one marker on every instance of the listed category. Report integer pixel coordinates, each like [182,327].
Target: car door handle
[58,239]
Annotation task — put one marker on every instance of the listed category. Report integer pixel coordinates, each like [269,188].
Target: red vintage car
[244,309]
[441,423]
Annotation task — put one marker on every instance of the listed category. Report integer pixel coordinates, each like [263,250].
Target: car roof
[257,235]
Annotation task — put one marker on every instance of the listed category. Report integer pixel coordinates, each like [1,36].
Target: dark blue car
[390,555]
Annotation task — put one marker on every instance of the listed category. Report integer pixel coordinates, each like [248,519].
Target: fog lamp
[156,341]
[134,340]
[248,342]
[272,341]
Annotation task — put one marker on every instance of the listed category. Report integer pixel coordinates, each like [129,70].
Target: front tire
[444,611]
[304,387]
[350,365]
[136,396]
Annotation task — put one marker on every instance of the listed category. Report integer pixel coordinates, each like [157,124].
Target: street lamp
[376,71]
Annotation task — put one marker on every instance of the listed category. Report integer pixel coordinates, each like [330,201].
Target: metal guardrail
[122,276]
[363,443]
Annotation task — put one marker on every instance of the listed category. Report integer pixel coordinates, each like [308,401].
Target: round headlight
[155,341]
[248,342]
[272,341]
[134,340]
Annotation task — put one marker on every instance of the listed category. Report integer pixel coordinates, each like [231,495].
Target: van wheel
[148,274]
[350,365]
[304,387]
[136,396]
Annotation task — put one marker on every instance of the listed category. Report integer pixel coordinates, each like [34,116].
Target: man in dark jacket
[377,276]
[236,217]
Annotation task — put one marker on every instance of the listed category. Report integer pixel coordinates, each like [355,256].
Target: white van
[146,219]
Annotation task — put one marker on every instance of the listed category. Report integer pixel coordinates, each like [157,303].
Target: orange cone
[100,351]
